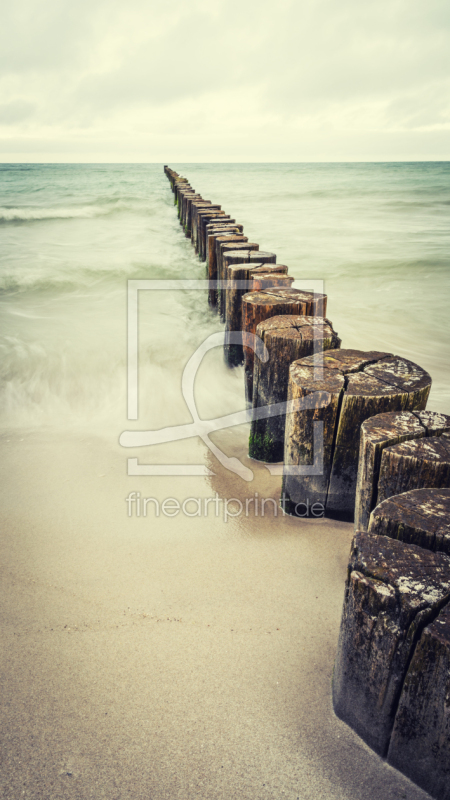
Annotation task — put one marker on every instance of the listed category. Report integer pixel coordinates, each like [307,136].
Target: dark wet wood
[420,741]
[241,253]
[252,254]
[240,283]
[270,280]
[420,517]
[392,591]
[186,200]
[180,185]
[214,242]
[203,217]
[416,464]
[366,392]
[196,211]
[182,192]
[191,205]
[310,491]
[258,306]
[378,432]
[287,339]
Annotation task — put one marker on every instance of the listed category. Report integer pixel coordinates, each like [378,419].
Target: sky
[135,81]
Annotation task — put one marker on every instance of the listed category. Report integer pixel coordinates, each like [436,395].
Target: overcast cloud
[103,80]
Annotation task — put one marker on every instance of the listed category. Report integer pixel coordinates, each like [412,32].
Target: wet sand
[167,659]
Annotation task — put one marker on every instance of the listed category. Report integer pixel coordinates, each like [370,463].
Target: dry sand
[167,659]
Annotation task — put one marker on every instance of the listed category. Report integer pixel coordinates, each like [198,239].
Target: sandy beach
[168,658]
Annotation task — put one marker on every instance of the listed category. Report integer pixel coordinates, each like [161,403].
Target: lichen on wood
[373,382]
[420,516]
[392,591]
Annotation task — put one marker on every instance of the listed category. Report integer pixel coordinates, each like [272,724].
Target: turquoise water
[71,236]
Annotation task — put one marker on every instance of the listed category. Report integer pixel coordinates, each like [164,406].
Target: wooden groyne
[379,458]
[394,459]
[288,338]
[360,384]
[391,679]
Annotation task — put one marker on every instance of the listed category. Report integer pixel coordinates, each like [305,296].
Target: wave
[88,211]
[84,278]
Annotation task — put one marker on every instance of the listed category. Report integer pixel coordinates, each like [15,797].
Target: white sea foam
[31,213]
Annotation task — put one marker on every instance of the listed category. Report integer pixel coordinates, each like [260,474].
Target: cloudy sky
[209,80]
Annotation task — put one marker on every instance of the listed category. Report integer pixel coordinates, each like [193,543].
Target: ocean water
[71,236]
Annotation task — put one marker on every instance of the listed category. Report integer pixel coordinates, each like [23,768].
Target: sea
[73,235]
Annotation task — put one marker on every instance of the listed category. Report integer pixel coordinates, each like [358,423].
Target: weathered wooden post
[191,205]
[392,591]
[227,226]
[223,221]
[361,385]
[420,517]
[187,199]
[218,239]
[240,282]
[258,306]
[172,175]
[182,193]
[196,210]
[213,252]
[182,190]
[237,252]
[385,469]
[420,741]
[414,465]
[203,217]
[270,280]
[173,180]
[287,338]
[230,258]
[213,229]
[179,183]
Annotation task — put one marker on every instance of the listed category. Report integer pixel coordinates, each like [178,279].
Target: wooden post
[240,282]
[420,743]
[363,384]
[270,280]
[181,190]
[287,338]
[393,590]
[182,193]
[188,197]
[196,208]
[179,183]
[213,229]
[203,217]
[217,238]
[224,223]
[381,432]
[246,256]
[240,252]
[258,306]
[420,517]
[172,177]
[229,228]
[191,204]
[414,465]
[213,242]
